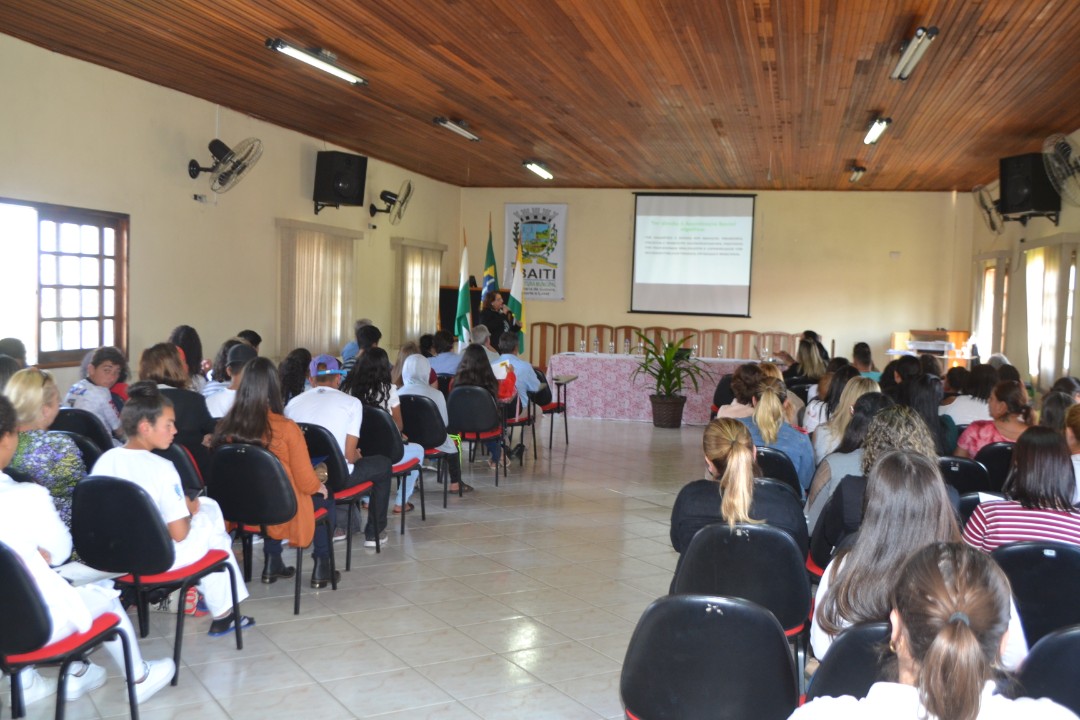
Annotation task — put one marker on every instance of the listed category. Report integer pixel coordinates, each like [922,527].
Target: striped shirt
[1006,521]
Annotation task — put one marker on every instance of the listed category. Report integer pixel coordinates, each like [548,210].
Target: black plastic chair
[997,459]
[87,448]
[475,416]
[756,562]
[853,662]
[253,490]
[190,477]
[117,528]
[423,423]
[84,423]
[1045,579]
[693,657]
[25,628]
[1050,669]
[964,474]
[550,406]
[969,502]
[776,465]
[514,418]
[379,435]
[321,443]
[444,382]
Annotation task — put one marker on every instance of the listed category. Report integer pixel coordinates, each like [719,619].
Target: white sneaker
[35,686]
[83,678]
[370,542]
[156,675]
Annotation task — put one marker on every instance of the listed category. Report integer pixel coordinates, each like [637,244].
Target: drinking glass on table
[719,351]
[581,345]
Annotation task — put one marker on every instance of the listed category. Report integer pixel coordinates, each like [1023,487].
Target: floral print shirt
[53,461]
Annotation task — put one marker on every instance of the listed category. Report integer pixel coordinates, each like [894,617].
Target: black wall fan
[230,164]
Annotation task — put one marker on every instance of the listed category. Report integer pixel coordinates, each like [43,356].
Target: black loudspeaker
[339,178]
[1025,188]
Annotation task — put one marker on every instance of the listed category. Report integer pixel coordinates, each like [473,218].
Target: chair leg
[143,609]
[401,490]
[565,426]
[446,483]
[348,533]
[420,482]
[61,686]
[551,429]
[18,707]
[532,426]
[247,543]
[299,574]
[129,675]
[235,607]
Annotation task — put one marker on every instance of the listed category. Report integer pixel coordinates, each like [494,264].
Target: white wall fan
[395,202]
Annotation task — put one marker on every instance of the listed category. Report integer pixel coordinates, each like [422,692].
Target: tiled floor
[516,601]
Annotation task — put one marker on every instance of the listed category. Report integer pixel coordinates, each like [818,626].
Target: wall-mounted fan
[990,209]
[230,164]
[395,202]
[1061,155]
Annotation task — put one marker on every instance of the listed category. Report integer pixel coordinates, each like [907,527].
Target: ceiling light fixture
[857,171]
[320,59]
[538,168]
[457,126]
[912,52]
[876,128]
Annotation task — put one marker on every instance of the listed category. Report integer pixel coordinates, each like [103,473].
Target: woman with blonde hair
[827,436]
[768,427]
[731,494]
[793,405]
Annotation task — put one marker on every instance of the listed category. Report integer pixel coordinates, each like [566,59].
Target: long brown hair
[475,369]
[730,448]
[161,364]
[259,394]
[953,603]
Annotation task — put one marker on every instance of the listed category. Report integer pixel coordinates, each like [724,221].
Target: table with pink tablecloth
[604,389]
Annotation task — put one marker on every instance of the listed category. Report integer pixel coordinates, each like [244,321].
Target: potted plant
[668,371]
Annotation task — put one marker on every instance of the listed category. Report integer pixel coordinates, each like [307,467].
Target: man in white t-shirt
[342,414]
[222,401]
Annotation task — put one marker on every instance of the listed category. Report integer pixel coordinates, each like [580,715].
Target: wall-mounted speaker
[1025,187]
[339,179]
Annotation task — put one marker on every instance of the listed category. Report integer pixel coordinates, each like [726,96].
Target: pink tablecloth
[603,388]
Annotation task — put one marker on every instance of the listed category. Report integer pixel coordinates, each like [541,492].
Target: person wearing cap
[219,403]
[340,413]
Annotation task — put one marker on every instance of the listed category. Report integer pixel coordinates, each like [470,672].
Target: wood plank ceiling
[702,94]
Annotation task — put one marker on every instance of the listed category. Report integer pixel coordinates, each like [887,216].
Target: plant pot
[667,410]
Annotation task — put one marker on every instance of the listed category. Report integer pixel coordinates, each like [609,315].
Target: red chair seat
[553,407]
[320,514]
[404,467]
[486,435]
[351,492]
[102,623]
[435,453]
[212,557]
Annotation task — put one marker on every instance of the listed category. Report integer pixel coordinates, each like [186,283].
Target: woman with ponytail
[1011,415]
[731,495]
[768,428]
[950,617]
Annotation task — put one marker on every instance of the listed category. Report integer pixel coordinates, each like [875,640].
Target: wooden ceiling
[702,94]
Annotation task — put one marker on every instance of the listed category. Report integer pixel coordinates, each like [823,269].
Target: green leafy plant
[667,371]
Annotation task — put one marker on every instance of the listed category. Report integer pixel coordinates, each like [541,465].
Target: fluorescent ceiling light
[314,59]
[458,126]
[857,172]
[539,169]
[879,125]
[913,52]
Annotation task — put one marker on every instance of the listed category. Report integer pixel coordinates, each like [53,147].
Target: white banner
[542,231]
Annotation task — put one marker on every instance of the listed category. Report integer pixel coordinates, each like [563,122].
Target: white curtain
[1047,274]
[421,271]
[316,286]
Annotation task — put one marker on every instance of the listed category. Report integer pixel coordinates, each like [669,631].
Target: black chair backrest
[853,662]
[964,474]
[24,620]
[693,657]
[444,381]
[769,482]
[723,394]
[379,435]
[776,465]
[321,443]
[190,477]
[997,459]
[1045,579]
[251,486]
[1050,669]
[472,409]
[85,423]
[801,388]
[18,475]
[970,501]
[542,396]
[87,448]
[756,562]
[116,527]
[422,421]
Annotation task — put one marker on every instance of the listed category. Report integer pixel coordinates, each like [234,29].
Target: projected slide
[692,254]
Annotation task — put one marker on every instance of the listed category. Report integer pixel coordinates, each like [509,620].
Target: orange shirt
[287,444]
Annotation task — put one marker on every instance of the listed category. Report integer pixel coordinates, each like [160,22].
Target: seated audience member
[793,405]
[1040,492]
[14,349]
[950,611]
[1008,372]
[1054,407]
[906,509]
[744,382]
[1068,385]
[397,372]
[92,392]
[239,355]
[446,361]
[1072,438]
[828,435]
[187,339]
[973,402]
[474,369]
[863,360]
[847,458]
[342,414]
[887,381]
[8,367]
[768,428]
[293,373]
[352,347]
[1011,415]
[50,459]
[834,390]
[730,495]
[924,397]
[931,365]
[161,364]
[367,337]
[31,527]
[807,366]
[482,337]
[256,419]
[218,377]
[954,382]
[907,369]
[415,373]
[195,525]
[997,361]
[817,405]
[427,345]
[524,374]
[251,337]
